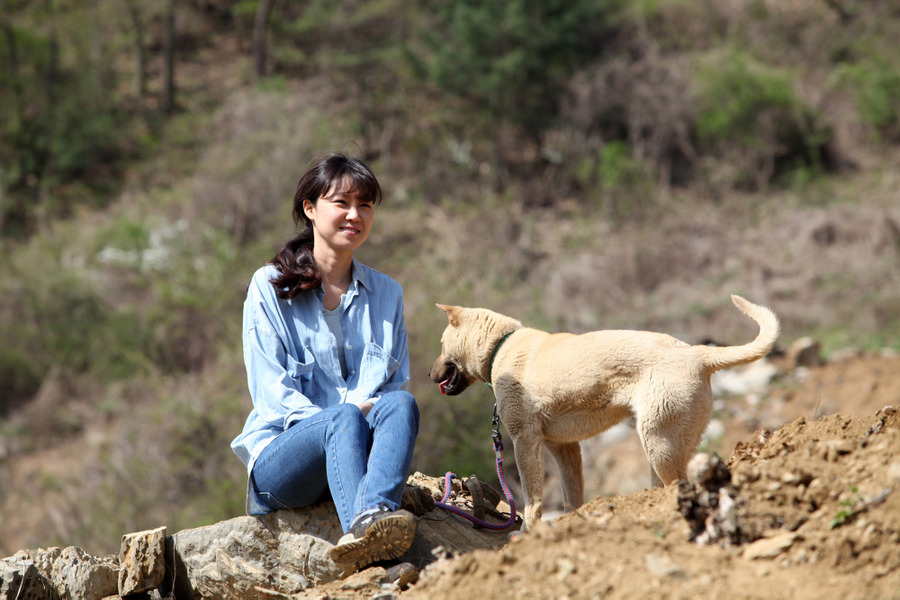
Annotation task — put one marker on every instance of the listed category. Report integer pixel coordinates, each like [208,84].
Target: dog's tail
[717,358]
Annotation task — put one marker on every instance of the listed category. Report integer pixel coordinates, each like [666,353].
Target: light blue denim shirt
[293,369]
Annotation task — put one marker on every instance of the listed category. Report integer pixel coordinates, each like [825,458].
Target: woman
[328,367]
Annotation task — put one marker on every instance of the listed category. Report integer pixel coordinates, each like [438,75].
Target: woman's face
[340,219]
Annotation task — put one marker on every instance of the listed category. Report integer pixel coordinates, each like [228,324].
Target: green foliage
[161,312]
[848,509]
[875,83]
[67,324]
[751,109]
[734,92]
[60,122]
[86,138]
[20,378]
[623,185]
[511,59]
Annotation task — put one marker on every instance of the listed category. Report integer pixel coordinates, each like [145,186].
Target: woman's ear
[308,208]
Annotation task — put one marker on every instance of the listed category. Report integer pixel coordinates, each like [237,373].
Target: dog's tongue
[444,385]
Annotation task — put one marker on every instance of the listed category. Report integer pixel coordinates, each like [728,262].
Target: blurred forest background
[577,164]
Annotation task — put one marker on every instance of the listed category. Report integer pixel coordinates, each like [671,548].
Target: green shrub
[876,87]
[734,92]
[20,378]
[748,113]
[621,183]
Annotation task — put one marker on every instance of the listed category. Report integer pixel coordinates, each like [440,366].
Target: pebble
[769,547]
[663,566]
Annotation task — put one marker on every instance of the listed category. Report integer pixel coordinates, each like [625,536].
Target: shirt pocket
[377,367]
[301,373]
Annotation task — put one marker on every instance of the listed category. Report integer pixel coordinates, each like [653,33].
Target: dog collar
[494,355]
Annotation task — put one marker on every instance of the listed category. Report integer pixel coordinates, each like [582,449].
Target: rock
[80,576]
[663,566]
[707,471]
[769,547]
[285,552]
[418,498]
[67,573]
[142,565]
[19,579]
[804,352]
[709,502]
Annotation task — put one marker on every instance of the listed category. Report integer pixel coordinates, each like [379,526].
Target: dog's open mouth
[448,385]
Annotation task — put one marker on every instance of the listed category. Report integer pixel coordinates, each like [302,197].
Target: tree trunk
[167,100]
[140,55]
[45,155]
[260,47]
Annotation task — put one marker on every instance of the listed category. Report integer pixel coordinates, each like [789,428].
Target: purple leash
[498,451]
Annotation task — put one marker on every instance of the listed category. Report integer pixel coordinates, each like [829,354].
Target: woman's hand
[365,407]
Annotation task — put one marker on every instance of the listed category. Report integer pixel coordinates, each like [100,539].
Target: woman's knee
[403,404]
[348,417]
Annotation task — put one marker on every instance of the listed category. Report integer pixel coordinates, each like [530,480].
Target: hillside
[691,152]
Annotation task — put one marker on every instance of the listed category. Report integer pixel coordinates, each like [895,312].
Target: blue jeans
[362,460]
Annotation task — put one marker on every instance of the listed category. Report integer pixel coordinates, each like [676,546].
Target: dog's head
[446,370]
[467,344]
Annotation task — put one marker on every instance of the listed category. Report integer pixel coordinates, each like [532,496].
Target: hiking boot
[382,536]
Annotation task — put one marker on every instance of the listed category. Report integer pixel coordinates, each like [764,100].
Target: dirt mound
[819,502]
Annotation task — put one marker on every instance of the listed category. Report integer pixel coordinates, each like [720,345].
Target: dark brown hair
[297,270]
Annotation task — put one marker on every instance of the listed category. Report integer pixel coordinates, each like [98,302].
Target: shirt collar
[359,274]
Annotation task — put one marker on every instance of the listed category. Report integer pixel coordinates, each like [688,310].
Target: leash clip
[495,434]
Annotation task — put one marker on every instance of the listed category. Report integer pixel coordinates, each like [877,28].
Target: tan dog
[554,390]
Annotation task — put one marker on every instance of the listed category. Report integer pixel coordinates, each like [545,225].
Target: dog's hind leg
[666,450]
[667,461]
[568,458]
[670,426]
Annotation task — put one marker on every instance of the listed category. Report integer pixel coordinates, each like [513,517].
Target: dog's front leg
[530,461]
[568,458]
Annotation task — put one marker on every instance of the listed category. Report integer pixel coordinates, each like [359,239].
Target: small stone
[142,565]
[663,566]
[564,568]
[893,472]
[769,547]
[833,449]
[804,352]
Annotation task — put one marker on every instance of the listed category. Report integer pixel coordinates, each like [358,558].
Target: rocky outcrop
[246,558]
[57,574]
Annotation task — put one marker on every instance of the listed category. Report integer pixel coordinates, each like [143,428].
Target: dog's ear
[452,313]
